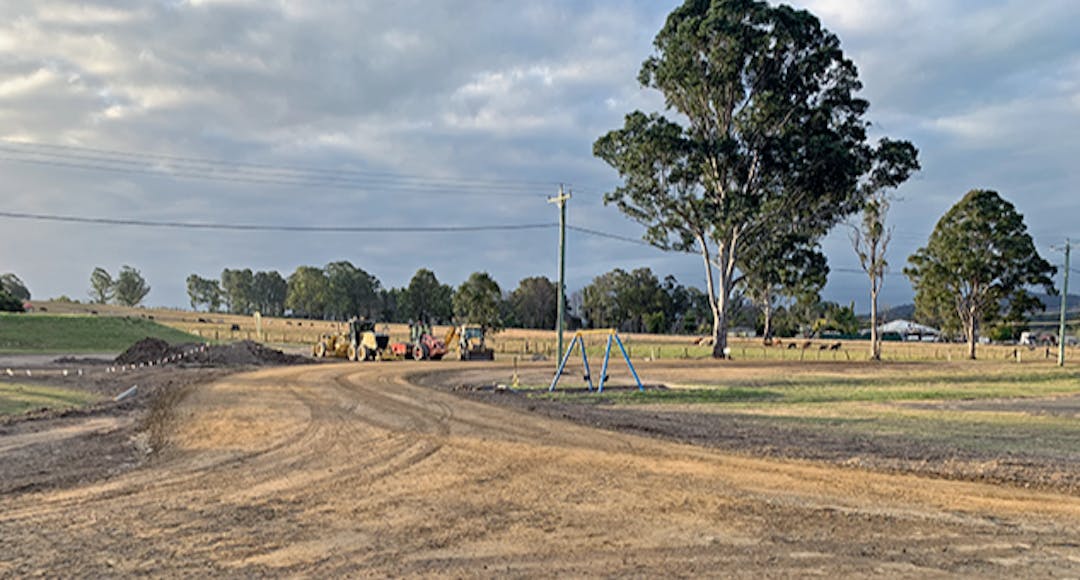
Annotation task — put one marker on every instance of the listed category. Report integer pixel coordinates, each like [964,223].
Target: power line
[609,236]
[260,174]
[274,228]
[113,154]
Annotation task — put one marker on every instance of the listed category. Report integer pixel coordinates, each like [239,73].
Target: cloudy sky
[423,113]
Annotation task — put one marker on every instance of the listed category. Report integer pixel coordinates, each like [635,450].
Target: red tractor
[425,346]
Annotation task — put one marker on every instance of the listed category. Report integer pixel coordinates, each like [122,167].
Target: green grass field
[799,388]
[47,333]
[985,407]
[19,398]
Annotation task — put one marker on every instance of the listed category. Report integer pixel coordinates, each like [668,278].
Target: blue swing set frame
[579,340]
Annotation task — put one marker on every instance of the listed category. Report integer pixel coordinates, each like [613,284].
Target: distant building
[908,331]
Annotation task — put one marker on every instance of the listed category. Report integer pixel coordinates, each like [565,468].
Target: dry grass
[282,331]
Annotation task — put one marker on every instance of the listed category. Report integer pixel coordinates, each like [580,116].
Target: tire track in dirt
[350,470]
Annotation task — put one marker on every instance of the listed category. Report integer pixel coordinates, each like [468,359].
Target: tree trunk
[875,337]
[972,336]
[719,335]
[717,301]
[723,296]
[766,309]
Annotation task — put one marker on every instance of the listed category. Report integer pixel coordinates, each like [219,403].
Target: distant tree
[535,303]
[426,299]
[203,291]
[308,291]
[781,269]
[478,301]
[836,318]
[629,301]
[353,292]
[9,303]
[769,130]
[600,307]
[238,287]
[269,291]
[894,162]
[977,265]
[131,288]
[695,315]
[14,286]
[390,309]
[102,286]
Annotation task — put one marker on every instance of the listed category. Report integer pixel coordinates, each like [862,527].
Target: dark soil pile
[244,353]
[150,350]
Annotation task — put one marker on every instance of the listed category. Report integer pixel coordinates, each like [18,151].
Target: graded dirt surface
[848,435]
[352,470]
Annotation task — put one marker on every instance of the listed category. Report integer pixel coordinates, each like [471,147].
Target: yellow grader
[360,343]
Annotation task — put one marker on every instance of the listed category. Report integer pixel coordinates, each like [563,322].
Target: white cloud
[990,92]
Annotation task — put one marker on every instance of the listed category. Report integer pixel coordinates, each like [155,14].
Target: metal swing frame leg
[562,364]
[607,357]
[626,356]
[585,360]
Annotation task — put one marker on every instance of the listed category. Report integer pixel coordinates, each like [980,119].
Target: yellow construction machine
[469,341]
[360,343]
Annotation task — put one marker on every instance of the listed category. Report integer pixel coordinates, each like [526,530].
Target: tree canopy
[534,302]
[477,301]
[771,134]
[202,291]
[102,286]
[14,286]
[9,303]
[977,266]
[131,288]
[308,287]
[351,291]
[269,290]
[426,298]
[237,287]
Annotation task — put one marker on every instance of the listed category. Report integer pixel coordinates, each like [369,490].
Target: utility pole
[1064,302]
[561,200]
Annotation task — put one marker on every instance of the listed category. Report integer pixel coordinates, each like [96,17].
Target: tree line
[341,290]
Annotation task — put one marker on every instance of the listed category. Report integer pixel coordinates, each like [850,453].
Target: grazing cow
[835,346]
[807,344]
[792,346]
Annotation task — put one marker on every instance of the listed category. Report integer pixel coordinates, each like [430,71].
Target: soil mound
[149,350]
[244,353]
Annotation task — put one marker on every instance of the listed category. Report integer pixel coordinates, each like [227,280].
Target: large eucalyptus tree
[767,136]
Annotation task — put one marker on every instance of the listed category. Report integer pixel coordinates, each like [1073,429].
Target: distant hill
[1053,303]
[1050,312]
[902,312]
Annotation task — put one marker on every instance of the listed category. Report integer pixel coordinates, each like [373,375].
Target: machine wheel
[365,353]
[420,352]
[352,352]
[320,349]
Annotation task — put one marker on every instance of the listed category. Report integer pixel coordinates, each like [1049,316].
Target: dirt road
[350,470]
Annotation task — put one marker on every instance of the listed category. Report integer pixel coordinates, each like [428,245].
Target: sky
[420,114]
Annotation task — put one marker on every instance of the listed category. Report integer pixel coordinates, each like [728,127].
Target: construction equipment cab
[471,343]
[425,346]
[365,343]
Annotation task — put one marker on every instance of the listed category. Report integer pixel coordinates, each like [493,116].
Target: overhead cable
[277,228]
[258,174]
